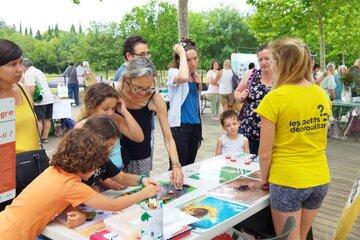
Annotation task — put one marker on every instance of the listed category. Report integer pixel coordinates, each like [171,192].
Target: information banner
[7,149]
[350,212]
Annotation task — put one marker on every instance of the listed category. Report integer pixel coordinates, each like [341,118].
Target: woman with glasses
[137,90]
[184,96]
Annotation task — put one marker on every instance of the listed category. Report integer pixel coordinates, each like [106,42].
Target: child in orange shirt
[77,157]
[107,129]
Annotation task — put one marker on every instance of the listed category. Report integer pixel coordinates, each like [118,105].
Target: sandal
[44,140]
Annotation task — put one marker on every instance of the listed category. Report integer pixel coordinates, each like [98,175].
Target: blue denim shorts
[287,199]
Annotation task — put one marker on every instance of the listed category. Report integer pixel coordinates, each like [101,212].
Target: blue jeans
[73,91]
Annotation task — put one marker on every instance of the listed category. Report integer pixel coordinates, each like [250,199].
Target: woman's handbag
[29,164]
[38,95]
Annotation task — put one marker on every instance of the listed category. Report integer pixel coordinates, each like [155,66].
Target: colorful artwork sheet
[168,191]
[225,174]
[211,211]
[243,189]
[96,216]
[256,175]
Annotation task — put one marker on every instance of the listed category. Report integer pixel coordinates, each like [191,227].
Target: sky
[39,14]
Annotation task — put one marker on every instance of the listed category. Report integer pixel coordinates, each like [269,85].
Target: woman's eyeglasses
[143,54]
[142,90]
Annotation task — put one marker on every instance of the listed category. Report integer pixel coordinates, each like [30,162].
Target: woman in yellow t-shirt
[11,71]
[294,120]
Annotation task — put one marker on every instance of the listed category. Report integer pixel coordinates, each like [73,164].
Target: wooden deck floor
[344,162]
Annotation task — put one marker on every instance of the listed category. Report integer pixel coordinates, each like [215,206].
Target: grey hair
[27,62]
[85,64]
[139,67]
[342,67]
[330,66]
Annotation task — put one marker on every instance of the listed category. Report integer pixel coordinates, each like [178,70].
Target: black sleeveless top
[139,151]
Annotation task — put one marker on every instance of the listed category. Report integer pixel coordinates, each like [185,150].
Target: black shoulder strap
[32,110]
[152,95]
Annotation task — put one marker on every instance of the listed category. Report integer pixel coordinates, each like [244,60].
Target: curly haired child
[77,157]
[106,128]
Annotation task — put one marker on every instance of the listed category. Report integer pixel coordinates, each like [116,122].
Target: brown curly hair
[80,151]
[94,96]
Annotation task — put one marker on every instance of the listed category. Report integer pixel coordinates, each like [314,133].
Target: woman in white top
[213,89]
[328,84]
[184,96]
[44,108]
[248,72]
[224,79]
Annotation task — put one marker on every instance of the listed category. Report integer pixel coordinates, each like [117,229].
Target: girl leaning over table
[294,121]
[103,99]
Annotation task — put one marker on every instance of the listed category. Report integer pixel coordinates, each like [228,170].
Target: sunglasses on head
[187,43]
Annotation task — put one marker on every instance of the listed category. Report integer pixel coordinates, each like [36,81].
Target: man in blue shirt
[134,46]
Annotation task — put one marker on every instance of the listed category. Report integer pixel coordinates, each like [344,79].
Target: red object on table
[186,230]
[223,236]
[99,235]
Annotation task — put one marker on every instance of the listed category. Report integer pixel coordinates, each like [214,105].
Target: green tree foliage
[101,47]
[319,22]
[80,29]
[218,33]
[72,29]
[226,32]
[56,30]
[38,35]
[157,23]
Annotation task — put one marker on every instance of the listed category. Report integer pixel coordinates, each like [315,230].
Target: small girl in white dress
[231,143]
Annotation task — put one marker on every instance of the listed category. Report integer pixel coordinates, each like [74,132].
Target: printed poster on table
[221,175]
[243,189]
[93,216]
[211,211]
[167,193]
[7,149]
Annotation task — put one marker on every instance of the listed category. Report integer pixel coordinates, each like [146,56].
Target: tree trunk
[343,58]
[183,19]
[322,42]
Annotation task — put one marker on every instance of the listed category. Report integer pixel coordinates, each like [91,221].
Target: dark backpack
[235,80]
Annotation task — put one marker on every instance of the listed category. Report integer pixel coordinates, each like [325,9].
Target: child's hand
[75,218]
[148,181]
[109,183]
[151,190]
